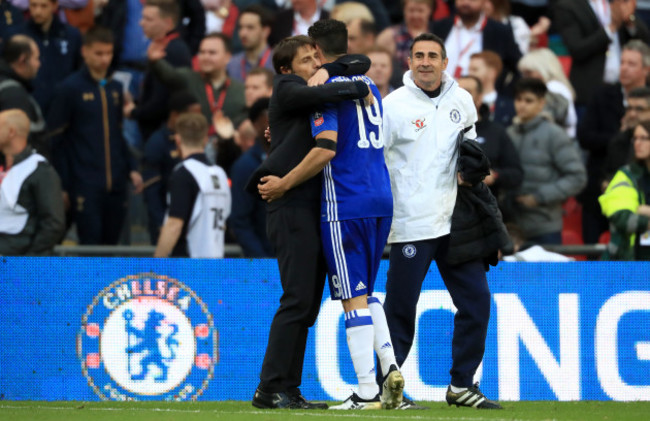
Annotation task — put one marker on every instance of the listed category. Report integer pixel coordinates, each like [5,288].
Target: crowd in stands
[560,88]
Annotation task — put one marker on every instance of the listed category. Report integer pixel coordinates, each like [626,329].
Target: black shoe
[409,404]
[299,402]
[266,400]
[472,397]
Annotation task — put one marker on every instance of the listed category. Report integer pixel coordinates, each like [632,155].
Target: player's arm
[169,235]
[295,95]
[272,187]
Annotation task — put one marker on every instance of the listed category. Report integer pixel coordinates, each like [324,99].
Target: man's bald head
[16,119]
[14,130]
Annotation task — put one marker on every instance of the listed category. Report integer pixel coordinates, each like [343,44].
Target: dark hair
[266,17]
[180,101]
[258,107]
[285,51]
[642,92]
[367,27]
[331,36]
[99,34]
[223,37]
[17,46]
[267,73]
[532,85]
[167,8]
[479,84]
[429,37]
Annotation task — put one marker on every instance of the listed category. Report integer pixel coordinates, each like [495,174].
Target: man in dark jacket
[31,204]
[89,150]
[20,64]
[293,221]
[159,20]
[59,45]
[10,17]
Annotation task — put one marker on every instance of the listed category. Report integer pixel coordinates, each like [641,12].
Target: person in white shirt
[423,122]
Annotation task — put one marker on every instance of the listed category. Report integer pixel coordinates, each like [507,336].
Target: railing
[233,250]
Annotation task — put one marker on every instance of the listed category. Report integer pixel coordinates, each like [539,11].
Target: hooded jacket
[420,147]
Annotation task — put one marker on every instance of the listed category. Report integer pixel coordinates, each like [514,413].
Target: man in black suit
[469,31]
[293,221]
[297,20]
[592,33]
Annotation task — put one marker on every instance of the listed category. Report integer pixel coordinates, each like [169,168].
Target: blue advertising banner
[181,329]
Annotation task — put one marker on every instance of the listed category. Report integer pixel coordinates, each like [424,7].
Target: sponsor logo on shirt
[419,124]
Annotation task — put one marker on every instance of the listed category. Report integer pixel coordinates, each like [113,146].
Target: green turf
[243,411]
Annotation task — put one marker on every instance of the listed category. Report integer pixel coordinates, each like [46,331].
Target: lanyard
[465,49]
[260,63]
[214,107]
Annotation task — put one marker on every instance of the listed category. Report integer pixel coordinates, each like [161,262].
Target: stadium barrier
[181,329]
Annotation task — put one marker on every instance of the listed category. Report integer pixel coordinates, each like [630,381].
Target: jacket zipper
[107,149]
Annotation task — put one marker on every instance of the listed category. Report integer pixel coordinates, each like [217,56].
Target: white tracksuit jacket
[420,147]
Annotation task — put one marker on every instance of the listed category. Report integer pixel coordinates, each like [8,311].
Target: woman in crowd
[624,203]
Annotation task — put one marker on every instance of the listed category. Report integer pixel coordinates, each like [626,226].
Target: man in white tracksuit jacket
[422,121]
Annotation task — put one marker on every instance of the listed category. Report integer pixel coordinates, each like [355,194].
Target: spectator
[191,24]
[372,10]
[361,36]
[90,153]
[222,98]
[59,45]
[254,30]
[159,20]
[381,69]
[221,16]
[643,11]
[506,173]
[19,66]
[398,38]
[258,84]
[160,157]
[10,17]
[487,66]
[199,198]
[620,149]
[601,122]
[470,32]
[499,10]
[297,20]
[553,169]
[248,218]
[625,203]
[31,203]
[593,32]
[543,64]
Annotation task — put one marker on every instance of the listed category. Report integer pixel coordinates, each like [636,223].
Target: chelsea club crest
[147,337]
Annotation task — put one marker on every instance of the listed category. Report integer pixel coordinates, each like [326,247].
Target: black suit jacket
[588,43]
[283,25]
[497,37]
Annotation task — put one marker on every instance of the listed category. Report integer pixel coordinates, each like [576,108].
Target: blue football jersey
[356,183]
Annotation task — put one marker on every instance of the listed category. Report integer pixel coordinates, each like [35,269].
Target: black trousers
[294,233]
[99,214]
[469,292]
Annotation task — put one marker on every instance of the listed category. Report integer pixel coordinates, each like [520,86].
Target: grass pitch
[243,411]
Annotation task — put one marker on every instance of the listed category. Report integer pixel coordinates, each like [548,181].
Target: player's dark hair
[429,37]
[286,50]
[192,129]
[17,46]
[331,36]
[642,92]
[180,101]
[266,17]
[99,34]
[530,85]
[227,43]
[479,84]
[258,107]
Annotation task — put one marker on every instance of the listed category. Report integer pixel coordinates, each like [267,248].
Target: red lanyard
[465,49]
[209,91]
[260,63]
